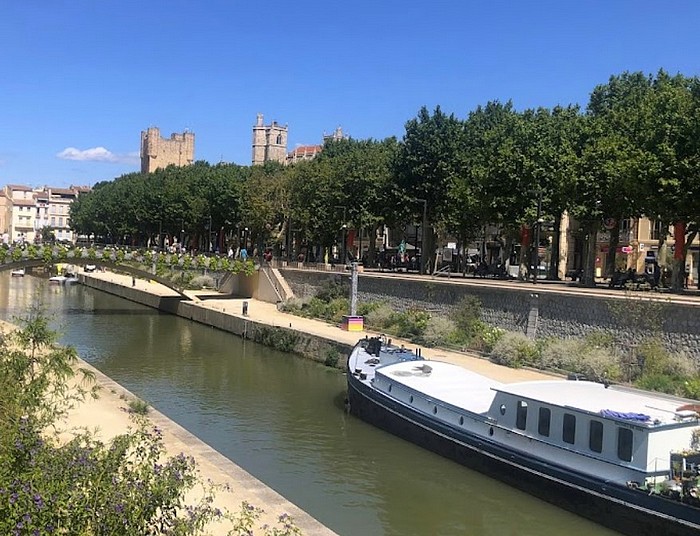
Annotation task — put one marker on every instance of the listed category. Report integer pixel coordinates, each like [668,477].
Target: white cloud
[97,154]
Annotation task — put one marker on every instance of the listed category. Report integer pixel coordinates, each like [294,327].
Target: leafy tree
[429,161]
[361,173]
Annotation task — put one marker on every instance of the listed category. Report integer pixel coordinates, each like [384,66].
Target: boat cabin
[622,427]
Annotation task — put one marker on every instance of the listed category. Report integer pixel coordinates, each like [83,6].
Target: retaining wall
[539,311]
[285,339]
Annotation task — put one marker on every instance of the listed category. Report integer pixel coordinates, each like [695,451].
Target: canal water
[281,418]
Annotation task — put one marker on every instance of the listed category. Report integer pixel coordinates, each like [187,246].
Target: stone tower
[269,142]
[157,152]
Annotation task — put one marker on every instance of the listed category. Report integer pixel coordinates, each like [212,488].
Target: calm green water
[281,418]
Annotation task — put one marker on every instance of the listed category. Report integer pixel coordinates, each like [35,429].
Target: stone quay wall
[285,339]
[539,311]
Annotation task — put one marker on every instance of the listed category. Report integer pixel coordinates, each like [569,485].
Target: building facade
[159,153]
[269,142]
[303,152]
[27,211]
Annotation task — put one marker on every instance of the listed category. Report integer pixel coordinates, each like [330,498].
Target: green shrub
[467,314]
[600,364]
[437,332]
[294,306]
[600,339]
[86,486]
[653,358]
[514,350]
[663,383]
[381,317]
[580,356]
[332,357]
[332,290]
[331,311]
[691,389]
[138,406]
[411,324]
[486,337]
[562,354]
[365,308]
[201,281]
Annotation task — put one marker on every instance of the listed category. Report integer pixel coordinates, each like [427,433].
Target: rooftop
[595,397]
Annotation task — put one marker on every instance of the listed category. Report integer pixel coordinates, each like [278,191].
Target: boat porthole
[390,388]
[434,409]
[503,409]
[490,431]
[461,421]
[411,399]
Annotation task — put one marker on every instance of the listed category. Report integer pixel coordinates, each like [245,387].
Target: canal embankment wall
[324,349]
[541,311]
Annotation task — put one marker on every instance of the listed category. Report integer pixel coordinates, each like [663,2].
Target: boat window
[390,388]
[411,399]
[521,415]
[624,444]
[544,421]
[569,430]
[435,409]
[461,421]
[503,409]
[595,436]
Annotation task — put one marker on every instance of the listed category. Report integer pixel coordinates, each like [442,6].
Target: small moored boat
[63,280]
[621,457]
[18,273]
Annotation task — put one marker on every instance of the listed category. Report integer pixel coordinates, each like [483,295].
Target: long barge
[624,458]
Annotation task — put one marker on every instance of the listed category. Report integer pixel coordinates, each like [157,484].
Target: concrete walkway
[267,313]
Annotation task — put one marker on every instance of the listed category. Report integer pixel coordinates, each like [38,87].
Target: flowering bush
[85,486]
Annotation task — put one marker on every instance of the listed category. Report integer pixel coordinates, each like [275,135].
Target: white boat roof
[446,382]
[471,391]
[595,397]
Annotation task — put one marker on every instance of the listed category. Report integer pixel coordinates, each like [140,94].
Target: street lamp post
[536,252]
[209,235]
[344,228]
[422,235]
[345,242]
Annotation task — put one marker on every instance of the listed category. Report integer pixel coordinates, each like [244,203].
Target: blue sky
[81,79]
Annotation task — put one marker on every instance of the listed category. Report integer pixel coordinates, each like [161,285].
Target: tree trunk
[588,279]
[372,247]
[679,252]
[427,253]
[556,246]
[612,250]
[525,252]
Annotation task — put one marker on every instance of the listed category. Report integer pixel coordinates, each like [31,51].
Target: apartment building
[24,212]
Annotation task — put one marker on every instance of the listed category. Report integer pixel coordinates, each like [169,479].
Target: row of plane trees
[633,151]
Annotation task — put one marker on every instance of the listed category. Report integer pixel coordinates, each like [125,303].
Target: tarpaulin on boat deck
[627,416]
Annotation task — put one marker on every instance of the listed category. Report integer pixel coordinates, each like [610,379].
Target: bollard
[245,308]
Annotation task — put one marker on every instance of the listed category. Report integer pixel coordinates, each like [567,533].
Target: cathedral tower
[269,142]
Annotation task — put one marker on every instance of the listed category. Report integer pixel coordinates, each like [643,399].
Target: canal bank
[109,416]
[264,323]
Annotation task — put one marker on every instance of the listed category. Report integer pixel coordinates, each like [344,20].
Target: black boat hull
[617,507]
